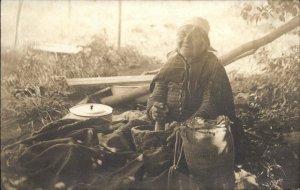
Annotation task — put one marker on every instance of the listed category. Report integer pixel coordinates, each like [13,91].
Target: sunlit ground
[148,25]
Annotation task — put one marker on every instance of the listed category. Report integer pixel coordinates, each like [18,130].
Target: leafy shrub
[271,107]
[274,95]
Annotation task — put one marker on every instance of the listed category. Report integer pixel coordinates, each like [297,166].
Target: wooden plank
[107,81]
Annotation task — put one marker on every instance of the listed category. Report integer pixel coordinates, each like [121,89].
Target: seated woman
[193,83]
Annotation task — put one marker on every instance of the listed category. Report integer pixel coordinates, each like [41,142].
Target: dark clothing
[200,88]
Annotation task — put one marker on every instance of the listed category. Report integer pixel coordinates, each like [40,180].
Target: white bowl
[92,110]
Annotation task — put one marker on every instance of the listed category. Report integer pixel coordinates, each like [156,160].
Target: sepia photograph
[150,95]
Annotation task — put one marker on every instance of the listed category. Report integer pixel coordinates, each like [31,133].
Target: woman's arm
[207,108]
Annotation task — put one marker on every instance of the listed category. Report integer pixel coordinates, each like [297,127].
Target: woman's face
[190,42]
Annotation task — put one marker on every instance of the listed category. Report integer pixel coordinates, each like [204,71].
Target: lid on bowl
[91,110]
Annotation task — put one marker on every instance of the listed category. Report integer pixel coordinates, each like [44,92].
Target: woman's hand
[159,111]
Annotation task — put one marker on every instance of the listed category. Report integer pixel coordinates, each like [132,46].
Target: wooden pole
[119,23]
[108,81]
[17,23]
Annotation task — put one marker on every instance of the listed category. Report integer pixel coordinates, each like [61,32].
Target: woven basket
[145,138]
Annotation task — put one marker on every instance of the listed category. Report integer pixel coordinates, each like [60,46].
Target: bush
[271,108]
[273,97]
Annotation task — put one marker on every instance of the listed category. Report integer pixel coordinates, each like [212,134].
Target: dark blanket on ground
[91,154]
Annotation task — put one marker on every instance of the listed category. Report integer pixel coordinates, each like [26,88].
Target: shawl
[204,91]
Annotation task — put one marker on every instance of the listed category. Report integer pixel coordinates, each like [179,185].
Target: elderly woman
[193,83]
[193,86]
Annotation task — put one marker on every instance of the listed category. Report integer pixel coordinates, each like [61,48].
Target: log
[107,81]
[250,48]
[119,99]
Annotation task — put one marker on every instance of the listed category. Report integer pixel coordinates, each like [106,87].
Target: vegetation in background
[33,86]
[273,95]
[268,104]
